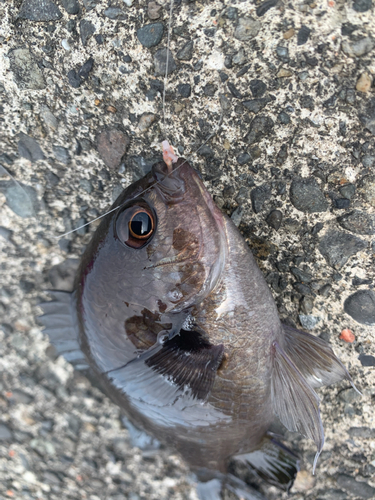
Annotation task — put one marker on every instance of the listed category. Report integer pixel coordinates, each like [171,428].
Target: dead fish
[171,312]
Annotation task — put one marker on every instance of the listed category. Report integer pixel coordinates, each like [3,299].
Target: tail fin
[305,363]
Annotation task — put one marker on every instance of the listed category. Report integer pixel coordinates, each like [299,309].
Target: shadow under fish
[171,314]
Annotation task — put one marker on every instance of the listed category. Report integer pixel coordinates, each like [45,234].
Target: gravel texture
[293,164]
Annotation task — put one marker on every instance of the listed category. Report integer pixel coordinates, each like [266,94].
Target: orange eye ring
[135,224]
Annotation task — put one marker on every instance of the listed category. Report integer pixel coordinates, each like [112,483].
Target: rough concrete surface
[293,164]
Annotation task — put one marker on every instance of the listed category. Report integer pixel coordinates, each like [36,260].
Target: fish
[171,313]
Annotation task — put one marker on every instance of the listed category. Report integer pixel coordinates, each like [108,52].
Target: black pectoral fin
[273,462]
[294,401]
[189,362]
[59,322]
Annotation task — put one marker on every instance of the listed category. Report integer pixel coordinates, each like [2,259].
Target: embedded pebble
[160,62]
[186,52]
[358,48]
[303,35]
[337,247]
[36,10]
[71,6]
[358,222]
[361,306]
[26,72]
[61,154]
[114,13]
[112,145]
[151,34]
[274,219]
[261,126]
[145,121]
[364,82]
[306,195]
[308,321]
[259,196]
[357,488]
[348,191]
[367,360]
[20,198]
[362,5]
[246,29]
[90,4]
[5,434]
[153,10]
[87,29]
[184,89]
[367,188]
[265,7]
[29,148]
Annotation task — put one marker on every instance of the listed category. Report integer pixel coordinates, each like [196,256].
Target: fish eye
[135,225]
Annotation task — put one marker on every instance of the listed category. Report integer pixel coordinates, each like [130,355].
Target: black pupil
[141,224]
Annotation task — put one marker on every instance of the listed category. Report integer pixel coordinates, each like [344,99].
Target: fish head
[164,248]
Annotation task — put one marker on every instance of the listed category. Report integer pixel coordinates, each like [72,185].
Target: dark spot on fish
[143,330]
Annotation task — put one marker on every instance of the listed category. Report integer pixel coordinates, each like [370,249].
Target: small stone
[306,195]
[85,69]
[209,89]
[347,336]
[114,13]
[288,34]
[284,73]
[243,158]
[237,216]
[257,88]
[206,151]
[337,247]
[302,276]
[151,34]
[282,53]
[153,10]
[361,307]
[259,196]
[87,29]
[304,481]
[364,82]
[367,360]
[90,4]
[160,62]
[283,118]
[145,121]
[307,102]
[265,6]
[358,48]
[260,127]
[308,321]
[20,198]
[358,222]
[357,488]
[303,35]
[5,434]
[61,154]
[247,28]
[28,148]
[36,10]
[282,155]
[112,145]
[71,6]
[274,219]
[362,5]
[234,91]
[239,57]
[184,89]
[368,161]
[186,52]
[307,305]
[5,233]
[74,79]
[242,196]
[325,290]
[348,191]
[26,72]
[367,188]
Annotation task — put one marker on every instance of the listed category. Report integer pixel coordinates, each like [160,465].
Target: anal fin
[60,326]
